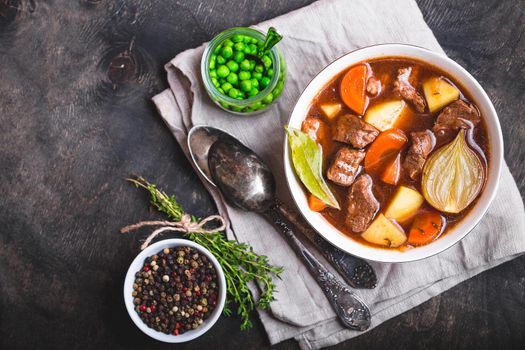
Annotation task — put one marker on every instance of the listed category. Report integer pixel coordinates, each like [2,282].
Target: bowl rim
[495,149]
[130,278]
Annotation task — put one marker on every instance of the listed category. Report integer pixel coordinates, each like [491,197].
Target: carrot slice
[384,150]
[392,171]
[426,227]
[315,203]
[353,88]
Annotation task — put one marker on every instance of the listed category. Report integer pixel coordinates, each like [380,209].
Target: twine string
[185,225]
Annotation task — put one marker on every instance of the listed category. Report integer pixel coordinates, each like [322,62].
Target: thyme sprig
[240,263]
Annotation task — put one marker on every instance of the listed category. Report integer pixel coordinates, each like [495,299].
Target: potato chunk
[384,232]
[439,93]
[331,110]
[404,204]
[384,115]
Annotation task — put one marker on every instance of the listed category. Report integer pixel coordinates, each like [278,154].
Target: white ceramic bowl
[138,263]
[332,234]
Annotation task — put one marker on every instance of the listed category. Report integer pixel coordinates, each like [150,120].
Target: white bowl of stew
[409,93]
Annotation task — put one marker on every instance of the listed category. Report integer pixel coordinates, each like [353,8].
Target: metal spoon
[355,271]
[271,39]
[247,182]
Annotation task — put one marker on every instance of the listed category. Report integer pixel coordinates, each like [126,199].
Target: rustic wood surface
[75,119]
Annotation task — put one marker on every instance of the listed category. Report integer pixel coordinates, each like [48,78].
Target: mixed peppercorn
[176,290]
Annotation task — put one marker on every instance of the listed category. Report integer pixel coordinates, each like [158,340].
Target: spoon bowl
[241,175]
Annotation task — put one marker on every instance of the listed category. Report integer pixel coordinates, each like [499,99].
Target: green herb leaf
[307,158]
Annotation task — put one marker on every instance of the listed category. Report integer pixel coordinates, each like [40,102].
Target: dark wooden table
[73,125]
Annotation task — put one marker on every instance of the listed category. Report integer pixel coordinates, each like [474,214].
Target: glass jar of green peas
[236,78]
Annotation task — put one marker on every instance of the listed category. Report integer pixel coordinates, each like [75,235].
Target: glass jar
[251,105]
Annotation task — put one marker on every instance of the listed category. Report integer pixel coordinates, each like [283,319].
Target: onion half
[453,176]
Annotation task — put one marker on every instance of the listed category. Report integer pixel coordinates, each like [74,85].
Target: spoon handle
[272,38]
[351,310]
[355,271]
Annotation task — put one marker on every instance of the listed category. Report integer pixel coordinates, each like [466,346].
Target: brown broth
[386,70]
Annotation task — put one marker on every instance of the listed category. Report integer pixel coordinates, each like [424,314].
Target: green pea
[247,110]
[221,60]
[239,46]
[247,50]
[247,40]
[259,68]
[255,83]
[240,96]
[238,56]
[257,75]
[254,91]
[268,98]
[253,49]
[270,72]
[213,58]
[225,105]
[237,38]
[226,87]
[232,78]
[265,81]
[252,64]
[222,81]
[227,43]
[243,75]
[267,61]
[221,90]
[257,105]
[223,71]
[236,109]
[246,85]
[232,66]
[282,75]
[278,89]
[245,65]
[213,73]
[233,92]
[227,52]
[217,49]
[254,41]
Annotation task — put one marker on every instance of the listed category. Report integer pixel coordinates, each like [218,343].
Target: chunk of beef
[373,86]
[361,204]
[406,91]
[422,144]
[345,166]
[457,115]
[353,130]
[311,126]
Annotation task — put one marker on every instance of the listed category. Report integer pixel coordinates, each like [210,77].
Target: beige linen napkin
[313,37]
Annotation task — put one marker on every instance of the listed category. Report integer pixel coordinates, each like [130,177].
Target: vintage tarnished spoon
[355,271]
[246,182]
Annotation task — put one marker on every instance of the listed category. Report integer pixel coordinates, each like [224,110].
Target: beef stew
[387,128]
